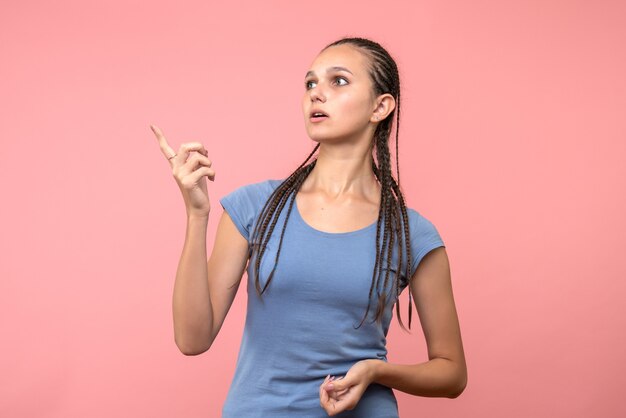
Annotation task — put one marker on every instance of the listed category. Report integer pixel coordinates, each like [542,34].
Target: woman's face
[338,85]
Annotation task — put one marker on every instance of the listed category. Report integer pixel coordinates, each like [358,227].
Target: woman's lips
[318,118]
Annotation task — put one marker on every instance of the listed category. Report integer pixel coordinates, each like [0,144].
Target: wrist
[374,366]
[198,216]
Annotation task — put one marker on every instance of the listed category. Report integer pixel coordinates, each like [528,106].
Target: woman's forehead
[339,57]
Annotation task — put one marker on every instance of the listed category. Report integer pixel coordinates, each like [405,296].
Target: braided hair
[392,225]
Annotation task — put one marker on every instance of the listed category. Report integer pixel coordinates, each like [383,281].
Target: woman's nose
[317,94]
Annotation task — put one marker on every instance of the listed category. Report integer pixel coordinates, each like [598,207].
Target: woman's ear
[385,104]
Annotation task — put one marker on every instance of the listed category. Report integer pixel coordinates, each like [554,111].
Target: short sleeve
[424,239]
[245,203]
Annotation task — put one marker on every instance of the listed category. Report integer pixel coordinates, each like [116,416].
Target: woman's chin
[323,137]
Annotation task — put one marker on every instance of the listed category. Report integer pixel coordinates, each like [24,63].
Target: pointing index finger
[165,147]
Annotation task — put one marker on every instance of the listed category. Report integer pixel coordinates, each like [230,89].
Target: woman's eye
[340,81]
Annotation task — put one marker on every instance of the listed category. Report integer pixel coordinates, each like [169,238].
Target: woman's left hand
[338,395]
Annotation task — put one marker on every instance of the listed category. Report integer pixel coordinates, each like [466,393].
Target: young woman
[328,251]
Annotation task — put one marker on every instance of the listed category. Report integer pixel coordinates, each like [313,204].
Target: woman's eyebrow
[330,69]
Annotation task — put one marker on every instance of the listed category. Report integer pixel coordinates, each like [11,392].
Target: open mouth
[318,116]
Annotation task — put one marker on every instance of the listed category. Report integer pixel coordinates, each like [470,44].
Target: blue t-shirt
[303,326]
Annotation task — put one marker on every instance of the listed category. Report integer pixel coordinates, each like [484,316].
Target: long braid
[405,217]
[377,263]
[271,211]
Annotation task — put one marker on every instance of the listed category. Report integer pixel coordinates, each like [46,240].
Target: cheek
[354,107]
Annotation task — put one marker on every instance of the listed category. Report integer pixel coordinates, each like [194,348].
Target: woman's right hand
[189,168]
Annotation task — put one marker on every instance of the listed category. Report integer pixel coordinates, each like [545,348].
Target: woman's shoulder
[261,186]
[424,236]
[421,228]
[257,190]
[414,216]
[244,203]
[252,194]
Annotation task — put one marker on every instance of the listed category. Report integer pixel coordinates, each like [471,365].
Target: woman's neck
[341,171]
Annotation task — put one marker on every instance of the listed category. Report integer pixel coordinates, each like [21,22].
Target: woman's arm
[204,290]
[445,373]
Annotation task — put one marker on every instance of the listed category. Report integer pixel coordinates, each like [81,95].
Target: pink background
[513,143]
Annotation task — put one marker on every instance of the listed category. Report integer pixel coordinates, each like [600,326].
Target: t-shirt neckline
[329,234]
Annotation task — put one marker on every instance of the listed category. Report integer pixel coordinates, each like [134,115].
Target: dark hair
[392,215]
